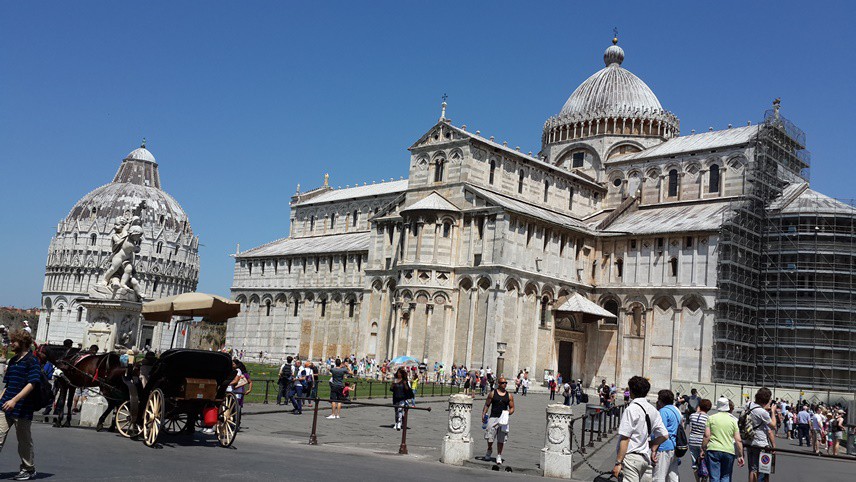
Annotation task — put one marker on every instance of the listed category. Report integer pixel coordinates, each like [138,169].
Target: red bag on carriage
[209,416]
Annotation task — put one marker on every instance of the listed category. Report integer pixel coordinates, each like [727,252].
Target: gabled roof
[684,217]
[695,142]
[356,192]
[527,209]
[577,303]
[334,243]
[798,198]
[432,202]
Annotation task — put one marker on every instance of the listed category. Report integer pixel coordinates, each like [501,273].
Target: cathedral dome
[612,101]
[141,154]
[110,202]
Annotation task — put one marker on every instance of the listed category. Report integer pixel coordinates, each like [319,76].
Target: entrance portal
[566,359]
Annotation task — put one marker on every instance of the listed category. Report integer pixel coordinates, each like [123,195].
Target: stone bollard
[457,444]
[556,454]
[91,410]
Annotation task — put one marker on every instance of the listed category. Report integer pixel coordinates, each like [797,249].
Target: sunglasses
[503,383]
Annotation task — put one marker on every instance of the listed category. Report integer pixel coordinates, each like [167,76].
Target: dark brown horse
[81,370]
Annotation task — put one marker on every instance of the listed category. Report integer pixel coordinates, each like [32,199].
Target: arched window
[373,340]
[155,286]
[296,307]
[546,190]
[267,308]
[520,181]
[351,307]
[545,301]
[673,267]
[713,184]
[612,307]
[619,267]
[323,308]
[492,171]
[161,220]
[75,238]
[332,220]
[439,167]
[355,218]
[93,238]
[447,230]
[571,198]
[673,183]
[94,211]
[312,223]
[637,318]
[159,247]
[79,313]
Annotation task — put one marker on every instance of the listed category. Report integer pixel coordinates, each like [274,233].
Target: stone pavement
[370,428]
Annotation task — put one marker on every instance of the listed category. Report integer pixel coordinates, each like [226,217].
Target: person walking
[763,432]
[401,393]
[818,434]
[525,383]
[296,393]
[566,393]
[498,407]
[553,385]
[721,436]
[692,402]
[286,374]
[836,429]
[666,469]
[698,424]
[337,387]
[803,426]
[22,378]
[641,431]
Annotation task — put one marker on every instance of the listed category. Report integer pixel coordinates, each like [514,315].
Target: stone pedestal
[457,444]
[91,410]
[556,454]
[111,323]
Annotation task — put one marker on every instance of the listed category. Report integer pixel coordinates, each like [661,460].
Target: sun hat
[722,404]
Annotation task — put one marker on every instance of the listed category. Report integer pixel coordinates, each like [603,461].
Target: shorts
[495,432]
[839,435]
[336,393]
[753,456]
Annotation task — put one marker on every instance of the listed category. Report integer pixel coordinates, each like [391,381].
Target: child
[347,390]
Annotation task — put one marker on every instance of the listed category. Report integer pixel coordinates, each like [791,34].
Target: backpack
[42,394]
[682,444]
[746,428]
[286,374]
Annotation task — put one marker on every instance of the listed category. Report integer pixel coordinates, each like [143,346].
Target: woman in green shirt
[720,437]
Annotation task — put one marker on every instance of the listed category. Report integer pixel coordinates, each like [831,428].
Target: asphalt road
[259,454]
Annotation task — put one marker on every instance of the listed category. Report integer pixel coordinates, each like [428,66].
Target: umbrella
[404,360]
[214,308]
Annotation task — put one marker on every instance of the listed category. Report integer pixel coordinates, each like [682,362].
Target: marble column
[457,444]
[556,454]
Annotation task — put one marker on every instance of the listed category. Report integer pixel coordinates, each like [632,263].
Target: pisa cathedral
[621,248]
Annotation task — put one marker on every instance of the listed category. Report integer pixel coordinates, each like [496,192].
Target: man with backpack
[666,469]
[758,428]
[23,382]
[286,374]
[641,432]
[692,402]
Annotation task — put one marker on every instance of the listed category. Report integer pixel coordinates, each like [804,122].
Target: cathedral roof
[521,207]
[334,243]
[432,202]
[798,198]
[696,142]
[381,189]
[676,218]
[140,154]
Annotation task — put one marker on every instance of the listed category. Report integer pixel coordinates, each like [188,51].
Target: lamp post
[500,361]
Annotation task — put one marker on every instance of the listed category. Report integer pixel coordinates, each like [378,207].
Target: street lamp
[500,361]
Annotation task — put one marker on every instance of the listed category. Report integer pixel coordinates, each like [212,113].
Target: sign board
[765,463]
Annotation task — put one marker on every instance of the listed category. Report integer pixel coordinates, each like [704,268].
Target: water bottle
[484,422]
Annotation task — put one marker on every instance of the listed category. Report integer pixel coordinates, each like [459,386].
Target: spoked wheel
[125,423]
[153,417]
[227,421]
[175,424]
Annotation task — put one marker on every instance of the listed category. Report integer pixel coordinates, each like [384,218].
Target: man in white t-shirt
[641,432]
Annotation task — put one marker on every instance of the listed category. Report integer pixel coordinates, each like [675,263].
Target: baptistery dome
[167,262]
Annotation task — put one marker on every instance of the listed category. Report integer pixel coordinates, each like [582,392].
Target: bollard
[457,444]
[583,434]
[267,384]
[556,458]
[599,425]
[591,430]
[402,449]
[385,392]
[370,389]
[313,438]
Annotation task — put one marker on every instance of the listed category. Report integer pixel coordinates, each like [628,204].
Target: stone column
[457,444]
[556,454]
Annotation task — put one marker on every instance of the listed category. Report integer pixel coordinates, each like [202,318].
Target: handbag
[702,471]
[241,382]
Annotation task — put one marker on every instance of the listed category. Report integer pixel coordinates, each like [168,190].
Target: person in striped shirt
[698,421]
[22,377]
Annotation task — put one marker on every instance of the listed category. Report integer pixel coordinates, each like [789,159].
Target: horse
[80,370]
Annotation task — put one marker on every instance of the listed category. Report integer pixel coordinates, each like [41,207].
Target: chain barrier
[596,470]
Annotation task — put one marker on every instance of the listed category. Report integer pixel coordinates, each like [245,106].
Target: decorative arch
[512,284]
[241,299]
[422,296]
[440,298]
[664,303]
[456,155]
[624,147]
[465,283]
[266,297]
[547,290]
[737,161]
[693,302]
[484,283]
[531,289]
[561,157]
[254,299]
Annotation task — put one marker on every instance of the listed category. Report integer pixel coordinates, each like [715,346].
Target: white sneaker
[331,416]
[499,459]
[337,416]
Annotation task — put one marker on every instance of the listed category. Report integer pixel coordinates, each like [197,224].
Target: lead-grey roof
[334,243]
[696,142]
[610,91]
[797,198]
[527,209]
[382,189]
[432,202]
[671,219]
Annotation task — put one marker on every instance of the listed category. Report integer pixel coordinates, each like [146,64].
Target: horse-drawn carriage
[176,392]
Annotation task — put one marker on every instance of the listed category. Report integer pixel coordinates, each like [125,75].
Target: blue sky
[249,99]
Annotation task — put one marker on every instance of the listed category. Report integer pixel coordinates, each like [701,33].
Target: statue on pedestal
[119,280]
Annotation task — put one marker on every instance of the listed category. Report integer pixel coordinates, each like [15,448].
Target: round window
[616,182]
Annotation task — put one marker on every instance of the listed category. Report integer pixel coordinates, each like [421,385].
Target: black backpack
[42,394]
[286,373]
[682,444]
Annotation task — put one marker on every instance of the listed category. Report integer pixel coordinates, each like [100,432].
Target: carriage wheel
[125,423]
[175,424]
[153,417]
[227,423]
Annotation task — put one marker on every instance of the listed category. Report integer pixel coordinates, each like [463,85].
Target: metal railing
[601,422]
[402,449]
[367,389]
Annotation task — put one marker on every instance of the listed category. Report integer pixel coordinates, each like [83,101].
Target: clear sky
[241,101]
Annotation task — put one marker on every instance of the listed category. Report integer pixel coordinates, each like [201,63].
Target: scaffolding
[784,307]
